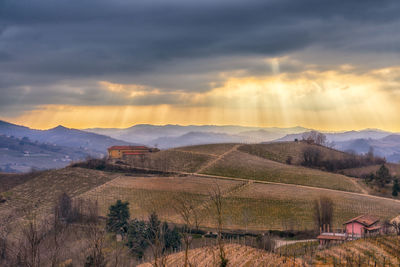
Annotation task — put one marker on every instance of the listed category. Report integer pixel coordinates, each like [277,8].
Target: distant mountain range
[384,143]
[168,136]
[22,148]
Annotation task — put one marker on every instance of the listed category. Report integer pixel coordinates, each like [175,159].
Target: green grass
[243,165]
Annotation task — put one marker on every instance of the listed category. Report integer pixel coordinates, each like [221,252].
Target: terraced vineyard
[251,206]
[172,160]
[280,152]
[41,192]
[378,251]
[243,165]
[238,255]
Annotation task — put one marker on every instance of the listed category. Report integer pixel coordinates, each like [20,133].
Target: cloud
[57,52]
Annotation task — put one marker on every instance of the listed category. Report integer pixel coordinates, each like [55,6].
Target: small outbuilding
[360,226]
[363,225]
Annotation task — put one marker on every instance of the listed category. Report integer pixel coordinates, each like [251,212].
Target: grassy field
[254,207]
[243,165]
[282,151]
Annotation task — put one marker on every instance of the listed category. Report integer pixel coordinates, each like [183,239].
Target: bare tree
[187,209]
[64,207]
[96,238]
[155,238]
[56,243]
[31,243]
[5,230]
[396,226]
[323,211]
[217,203]
[314,137]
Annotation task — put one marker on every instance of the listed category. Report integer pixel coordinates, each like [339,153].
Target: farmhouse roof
[365,219]
[133,153]
[128,148]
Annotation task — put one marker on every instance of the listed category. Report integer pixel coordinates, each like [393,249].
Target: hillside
[238,255]
[22,155]
[169,136]
[281,151]
[388,146]
[378,251]
[231,160]
[251,206]
[39,193]
[243,165]
[394,170]
[22,148]
[62,136]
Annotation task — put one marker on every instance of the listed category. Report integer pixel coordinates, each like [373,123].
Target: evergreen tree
[383,176]
[172,238]
[137,232]
[117,218]
[395,188]
[153,228]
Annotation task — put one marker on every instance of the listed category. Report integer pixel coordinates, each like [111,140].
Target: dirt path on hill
[196,153]
[362,189]
[212,162]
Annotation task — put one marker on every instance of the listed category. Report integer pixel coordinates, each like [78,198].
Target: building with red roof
[360,226]
[120,152]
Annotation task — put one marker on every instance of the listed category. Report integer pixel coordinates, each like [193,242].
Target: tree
[383,176]
[185,206]
[217,202]
[117,218]
[395,188]
[155,238]
[31,244]
[136,237]
[314,137]
[323,211]
[96,238]
[64,207]
[311,156]
[172,238]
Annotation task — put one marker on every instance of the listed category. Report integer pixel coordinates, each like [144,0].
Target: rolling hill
[259,194]
[62,136]
[169,136]
[23,155]
[22,148]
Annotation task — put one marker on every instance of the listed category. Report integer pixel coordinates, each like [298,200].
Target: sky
[328,65]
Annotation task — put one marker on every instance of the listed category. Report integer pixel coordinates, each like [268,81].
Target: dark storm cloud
[174,45]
